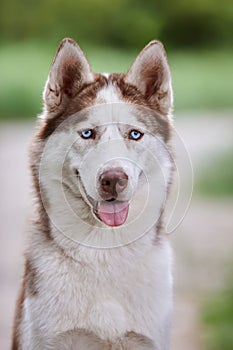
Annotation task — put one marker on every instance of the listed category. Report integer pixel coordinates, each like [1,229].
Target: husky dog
[98,262]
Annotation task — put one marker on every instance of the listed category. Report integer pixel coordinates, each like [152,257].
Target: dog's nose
[112,182]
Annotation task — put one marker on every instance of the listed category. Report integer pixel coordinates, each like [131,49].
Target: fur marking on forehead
[108,94]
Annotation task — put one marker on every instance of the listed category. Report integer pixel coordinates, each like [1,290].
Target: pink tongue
[113,213]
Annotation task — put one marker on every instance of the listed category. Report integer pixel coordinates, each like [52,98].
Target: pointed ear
[69,72]
[150,73]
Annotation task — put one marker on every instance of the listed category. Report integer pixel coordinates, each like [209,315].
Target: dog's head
[106,135]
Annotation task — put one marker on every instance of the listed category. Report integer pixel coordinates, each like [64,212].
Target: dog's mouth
[112,212]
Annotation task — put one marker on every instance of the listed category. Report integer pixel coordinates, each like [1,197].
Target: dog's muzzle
[112,183]
[110,209]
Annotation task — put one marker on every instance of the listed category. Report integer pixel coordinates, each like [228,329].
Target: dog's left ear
[70,71]
[150,73]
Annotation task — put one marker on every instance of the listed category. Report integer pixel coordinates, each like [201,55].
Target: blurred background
[198,39]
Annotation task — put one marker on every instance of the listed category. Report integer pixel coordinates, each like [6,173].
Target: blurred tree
[201,23]
[129,23]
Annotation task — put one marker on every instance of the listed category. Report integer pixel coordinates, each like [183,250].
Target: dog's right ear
[70,71]
[150,73]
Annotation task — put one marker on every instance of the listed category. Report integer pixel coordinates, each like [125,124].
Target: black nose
[112,182]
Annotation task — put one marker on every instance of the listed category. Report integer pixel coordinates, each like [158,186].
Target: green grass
[201,80]
[218,321]
[217,177]
[23,70]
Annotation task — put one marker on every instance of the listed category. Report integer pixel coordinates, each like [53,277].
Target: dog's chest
[113,293]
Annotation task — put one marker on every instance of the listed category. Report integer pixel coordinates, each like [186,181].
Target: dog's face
[104,156]
[113,155]
[108,133]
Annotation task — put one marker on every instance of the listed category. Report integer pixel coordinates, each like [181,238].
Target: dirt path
[202,244]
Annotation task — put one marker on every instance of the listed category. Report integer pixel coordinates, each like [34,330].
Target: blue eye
[88,134]
[135,135]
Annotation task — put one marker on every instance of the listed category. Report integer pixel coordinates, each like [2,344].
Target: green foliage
[124,23]
[23,70]
[218,321]
[217,179]
[202,79]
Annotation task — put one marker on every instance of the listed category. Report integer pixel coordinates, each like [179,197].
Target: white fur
[108,95]
[108,292]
